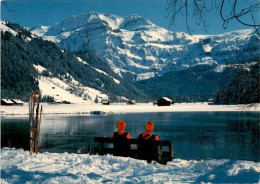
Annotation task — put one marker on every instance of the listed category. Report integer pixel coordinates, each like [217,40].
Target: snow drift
[20,167]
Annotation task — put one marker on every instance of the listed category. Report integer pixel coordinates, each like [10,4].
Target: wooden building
[105,102]
[131,102]
[6,102]
[17,102]
[210,101]
[164,101]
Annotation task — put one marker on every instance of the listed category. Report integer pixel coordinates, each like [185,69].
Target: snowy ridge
[136,46]
[17,166]
[4,28]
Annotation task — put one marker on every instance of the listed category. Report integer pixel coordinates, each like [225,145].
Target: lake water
[194,135]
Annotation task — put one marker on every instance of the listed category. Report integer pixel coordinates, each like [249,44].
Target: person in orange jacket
[147,135]
[121,144]
[147,149]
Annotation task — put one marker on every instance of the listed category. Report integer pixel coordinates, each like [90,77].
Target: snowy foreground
[17,166]
[123,108]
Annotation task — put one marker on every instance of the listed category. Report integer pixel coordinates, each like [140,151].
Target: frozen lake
[194,135]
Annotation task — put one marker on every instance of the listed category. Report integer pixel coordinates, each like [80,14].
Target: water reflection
[15,133]
[194,135]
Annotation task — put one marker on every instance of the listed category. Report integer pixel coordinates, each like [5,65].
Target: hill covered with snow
[138,49]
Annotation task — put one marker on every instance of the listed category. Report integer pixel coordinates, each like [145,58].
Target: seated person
[121,144]
[146,149]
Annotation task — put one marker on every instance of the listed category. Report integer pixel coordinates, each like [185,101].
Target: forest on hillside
[19,77]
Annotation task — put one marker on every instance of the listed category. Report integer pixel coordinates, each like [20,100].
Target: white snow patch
[207,48]
[152,58]
[66,34]
[208,61]
[114,22]
[56,88]
[220,68]
[68,90]
[4,28]
[80,60]
[40,30]
[144,76]
[39,68]
[51,38]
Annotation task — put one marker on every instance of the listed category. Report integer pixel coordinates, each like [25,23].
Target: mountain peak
[134,21]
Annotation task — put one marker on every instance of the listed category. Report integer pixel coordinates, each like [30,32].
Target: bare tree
[197,10]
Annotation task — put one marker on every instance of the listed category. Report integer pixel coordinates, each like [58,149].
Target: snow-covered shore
[123,108]
[17,166]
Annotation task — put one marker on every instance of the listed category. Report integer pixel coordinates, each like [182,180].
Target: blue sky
[30,13]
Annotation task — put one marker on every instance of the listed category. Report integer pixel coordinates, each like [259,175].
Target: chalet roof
[7,101]
[57,100]
[17,101]
[105,100]
[131,100]
[166,99]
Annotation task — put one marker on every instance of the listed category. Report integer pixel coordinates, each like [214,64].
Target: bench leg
[89,150]
[101,148]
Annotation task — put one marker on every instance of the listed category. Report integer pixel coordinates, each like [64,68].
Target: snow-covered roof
[167,99]
[17,101]
[7,101]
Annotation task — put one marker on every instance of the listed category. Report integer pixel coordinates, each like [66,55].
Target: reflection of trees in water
[15,133]
[245,133]
[242,124]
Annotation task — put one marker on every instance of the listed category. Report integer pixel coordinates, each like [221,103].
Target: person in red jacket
[146,147]
[121,144]
[148,132]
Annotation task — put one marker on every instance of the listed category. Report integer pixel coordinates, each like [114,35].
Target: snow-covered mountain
[136,48]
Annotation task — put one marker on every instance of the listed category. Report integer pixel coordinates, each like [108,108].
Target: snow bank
[20,167]
[88,108]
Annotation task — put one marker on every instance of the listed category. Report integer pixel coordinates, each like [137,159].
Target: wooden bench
[161,156]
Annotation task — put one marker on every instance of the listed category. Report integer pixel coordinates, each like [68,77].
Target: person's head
[121,125]
[149,126]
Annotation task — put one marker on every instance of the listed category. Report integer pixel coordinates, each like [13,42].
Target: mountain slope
[21,51]
[200,80]
[136,48]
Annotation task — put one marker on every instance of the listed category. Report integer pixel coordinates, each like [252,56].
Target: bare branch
[244,12]
[6,6]
[200,10]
